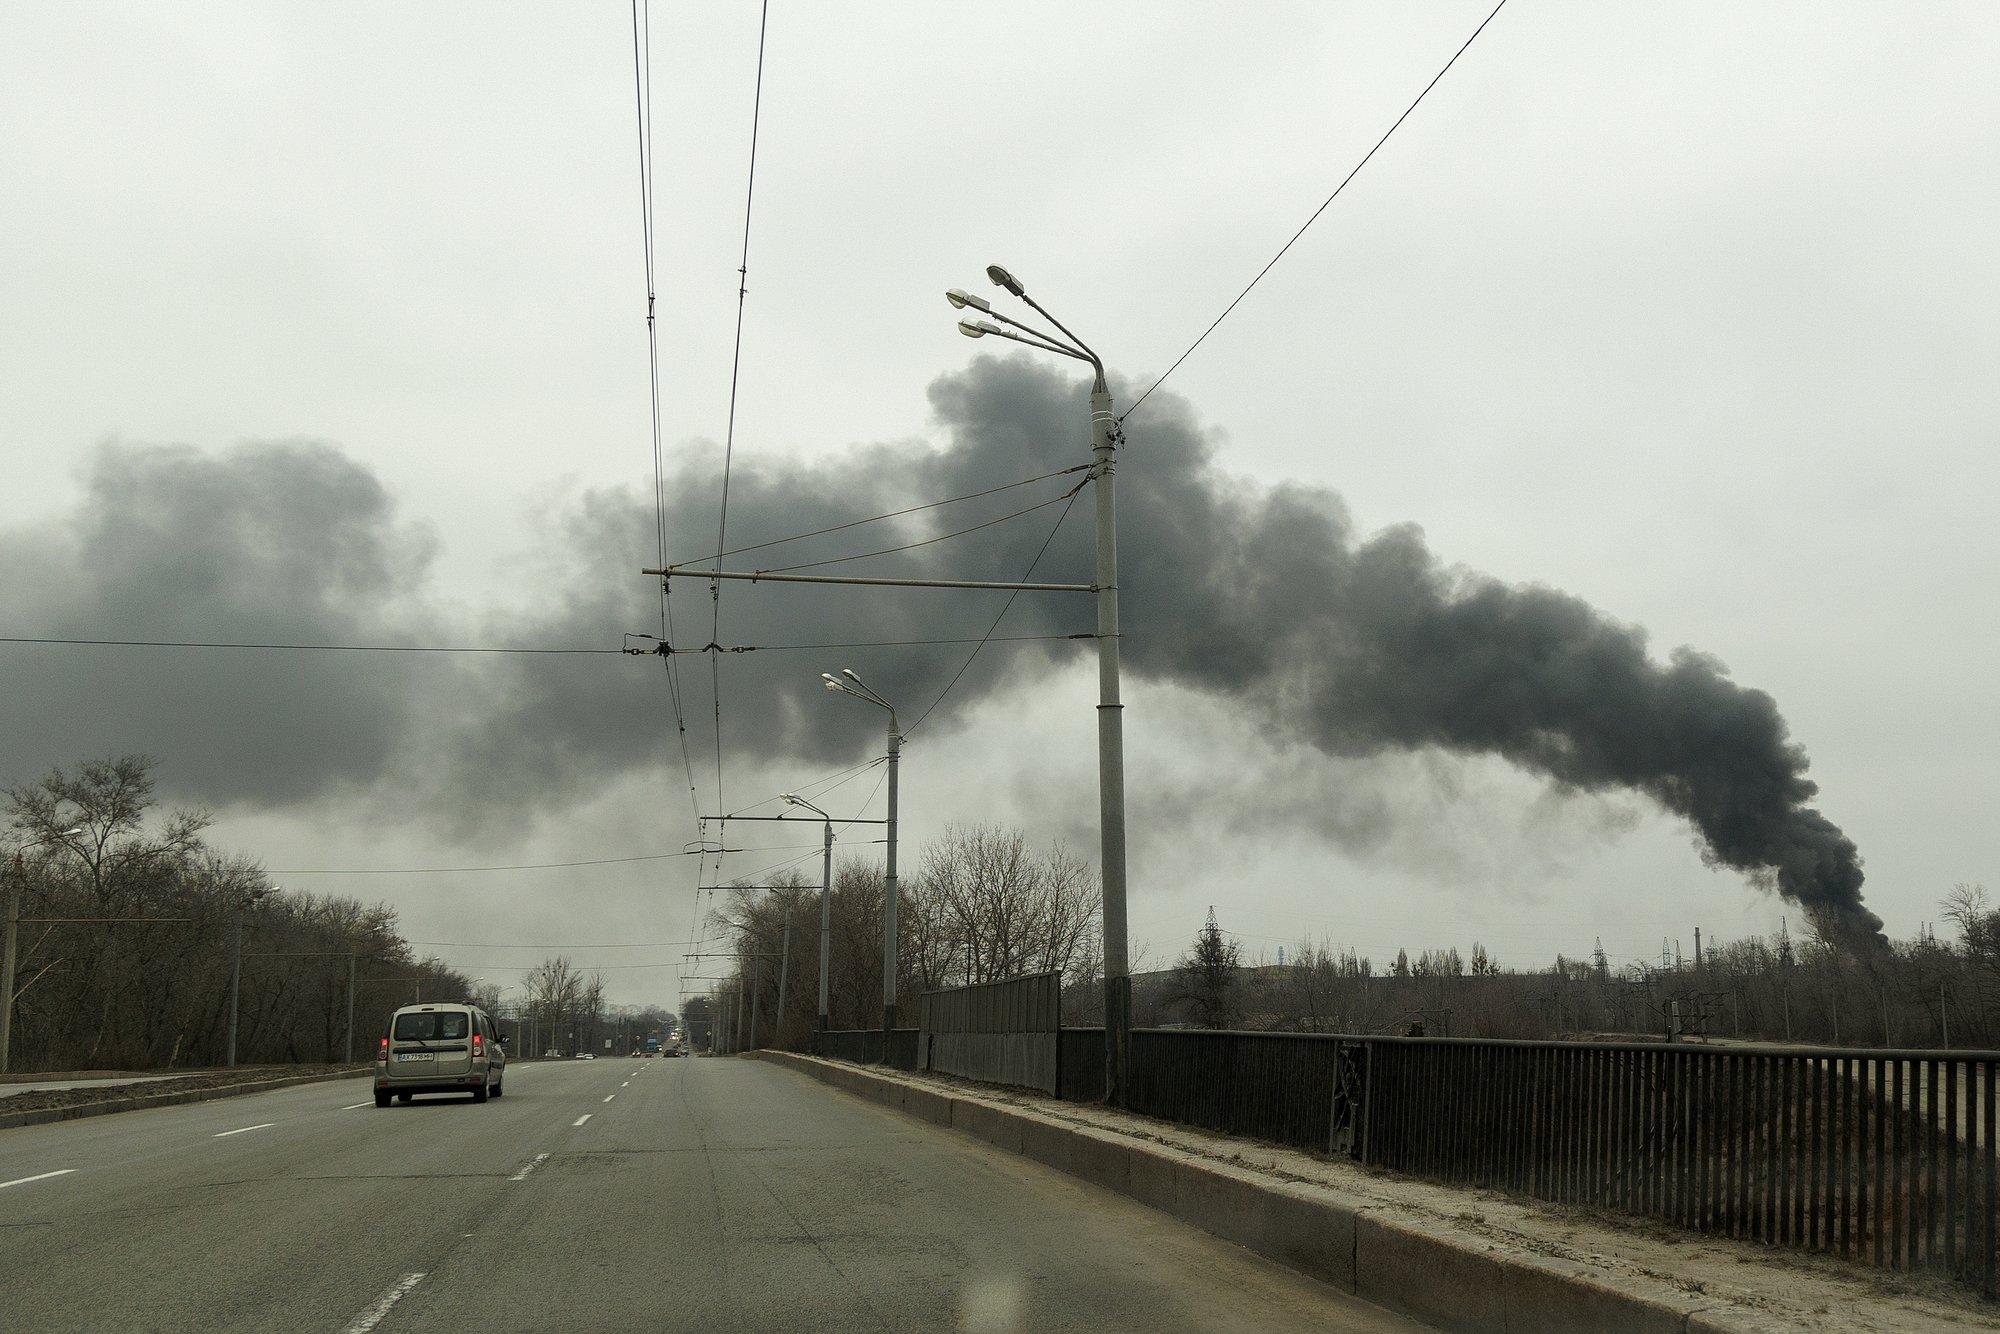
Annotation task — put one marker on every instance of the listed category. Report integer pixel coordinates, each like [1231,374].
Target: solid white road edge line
[372,1317]
[352,1105]
[39,1176]
[581,1119]
[536,1162]
[242,1130]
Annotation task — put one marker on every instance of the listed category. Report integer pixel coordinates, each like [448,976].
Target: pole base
[1117,1038]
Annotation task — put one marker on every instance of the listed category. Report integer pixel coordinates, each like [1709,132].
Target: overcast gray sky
[1688,310]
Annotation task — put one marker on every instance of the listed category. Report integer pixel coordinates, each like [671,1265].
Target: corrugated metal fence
[999,1032]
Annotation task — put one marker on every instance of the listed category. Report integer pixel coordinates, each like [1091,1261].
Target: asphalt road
[596,1195]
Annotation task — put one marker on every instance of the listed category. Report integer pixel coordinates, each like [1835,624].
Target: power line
[523,866]
[559,945]
[929,541]
[1005,607]
[1315,213]
[870,643]
[298,648]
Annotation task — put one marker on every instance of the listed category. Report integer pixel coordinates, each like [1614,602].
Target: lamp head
[832,684]
[972,328]
[848,672]
[960,299]
[1002,278]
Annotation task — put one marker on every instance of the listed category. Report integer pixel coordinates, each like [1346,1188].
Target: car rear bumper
[431,1083]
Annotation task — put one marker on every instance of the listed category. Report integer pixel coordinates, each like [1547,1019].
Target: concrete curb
[1448,1280]
[141,1101]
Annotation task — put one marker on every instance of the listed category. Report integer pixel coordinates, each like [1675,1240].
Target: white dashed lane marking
[581,1119]
[39,1176]
[243,1130]
[372,1317]
[522,1175]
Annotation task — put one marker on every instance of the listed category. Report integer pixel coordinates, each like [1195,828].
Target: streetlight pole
[236,965]
[784,974]
[855,686]
[350,1007]
[825,904]
[1105,436]
[9,938]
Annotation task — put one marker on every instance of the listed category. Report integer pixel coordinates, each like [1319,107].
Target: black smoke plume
[1266,596]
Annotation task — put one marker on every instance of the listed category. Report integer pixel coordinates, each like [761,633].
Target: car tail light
[478,1047]
[382,1052]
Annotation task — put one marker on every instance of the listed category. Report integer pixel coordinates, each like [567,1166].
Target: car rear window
[430,1025]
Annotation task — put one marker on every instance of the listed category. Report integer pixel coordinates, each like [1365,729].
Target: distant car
[439,1049]
[586,1056]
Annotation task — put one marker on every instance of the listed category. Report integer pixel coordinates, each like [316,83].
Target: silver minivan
[439,1049]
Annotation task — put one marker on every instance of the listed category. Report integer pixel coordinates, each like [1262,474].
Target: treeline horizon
[1920,992]
[125,940]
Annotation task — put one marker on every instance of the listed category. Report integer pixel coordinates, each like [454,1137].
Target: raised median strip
[142,1101]
[1447,1276]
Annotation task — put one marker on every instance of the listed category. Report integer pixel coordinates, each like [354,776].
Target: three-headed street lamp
[1105,436]
[847,683]
[825,897]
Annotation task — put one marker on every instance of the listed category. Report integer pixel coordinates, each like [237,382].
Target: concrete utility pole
[784,970]
[236,964]
[855,686]
[350,1007]
[1105,437]
[17,873]
[756,996]
[825,905]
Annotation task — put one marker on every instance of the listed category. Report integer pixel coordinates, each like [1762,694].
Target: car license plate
[413,1056]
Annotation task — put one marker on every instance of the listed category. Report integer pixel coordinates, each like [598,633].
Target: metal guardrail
[1884,1157]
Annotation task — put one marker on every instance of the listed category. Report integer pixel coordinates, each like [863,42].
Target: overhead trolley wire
[897,514]
[1316,212]
[642,96]
[1005,607]
[735,379]
[299,648]
[929,541]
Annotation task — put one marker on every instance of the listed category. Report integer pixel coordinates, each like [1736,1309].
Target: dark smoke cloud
[284,541]
[1265,596]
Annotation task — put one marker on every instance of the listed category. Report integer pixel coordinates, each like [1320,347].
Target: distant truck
[652,1044]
